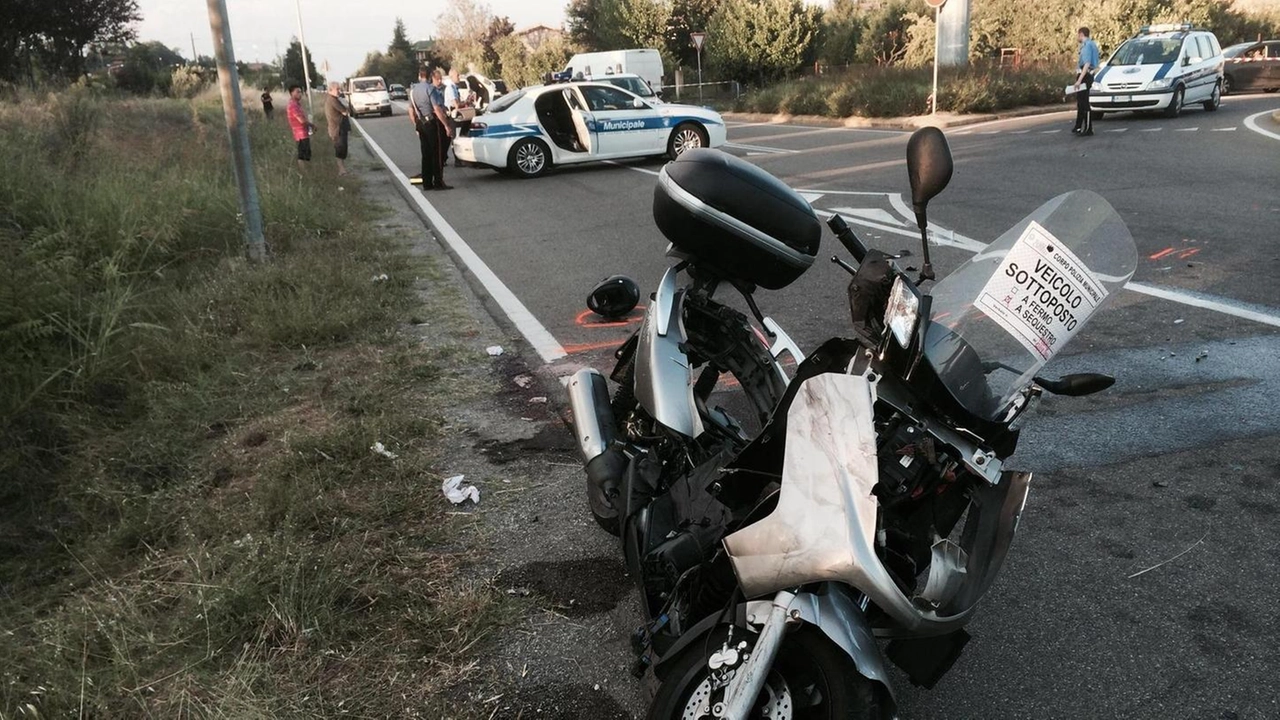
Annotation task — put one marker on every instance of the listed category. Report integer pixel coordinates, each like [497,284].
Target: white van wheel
[1215,100]
[1175,105]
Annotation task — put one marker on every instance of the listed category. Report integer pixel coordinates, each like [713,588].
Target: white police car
[1163,67]
[532,129]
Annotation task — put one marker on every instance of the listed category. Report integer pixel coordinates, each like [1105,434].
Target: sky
[340,32]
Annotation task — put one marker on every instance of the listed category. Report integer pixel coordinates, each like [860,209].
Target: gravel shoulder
[563,651]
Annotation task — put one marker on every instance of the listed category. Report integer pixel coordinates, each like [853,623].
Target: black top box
[731,218]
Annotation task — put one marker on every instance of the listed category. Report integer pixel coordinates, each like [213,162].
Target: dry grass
[191,521]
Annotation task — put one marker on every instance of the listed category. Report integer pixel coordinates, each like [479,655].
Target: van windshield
[1147,51]
[367,85]
[633,84]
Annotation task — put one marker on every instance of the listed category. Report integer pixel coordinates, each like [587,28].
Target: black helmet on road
[614,297]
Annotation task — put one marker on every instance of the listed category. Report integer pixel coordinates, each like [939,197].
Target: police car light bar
[1166,27]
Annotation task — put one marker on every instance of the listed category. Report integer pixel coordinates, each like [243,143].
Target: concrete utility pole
[194,56]
[237,130]
[302,43]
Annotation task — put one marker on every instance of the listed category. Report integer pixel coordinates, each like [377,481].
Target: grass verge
[897,92]
[192,522]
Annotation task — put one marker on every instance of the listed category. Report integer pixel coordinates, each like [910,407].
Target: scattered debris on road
[458,493]
[494,350]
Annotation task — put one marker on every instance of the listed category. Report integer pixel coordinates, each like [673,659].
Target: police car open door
[582,122]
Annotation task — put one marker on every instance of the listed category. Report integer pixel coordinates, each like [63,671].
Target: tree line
[469,37]
[40,39]
[765,40]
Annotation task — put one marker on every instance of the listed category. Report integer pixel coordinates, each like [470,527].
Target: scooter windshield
[1006,312]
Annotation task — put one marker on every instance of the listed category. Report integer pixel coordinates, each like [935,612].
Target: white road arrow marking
[873,214]
[811,197]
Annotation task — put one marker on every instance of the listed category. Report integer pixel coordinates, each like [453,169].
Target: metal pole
[306,73]
[237,130]
[699,73]
[937,44]
[194,56]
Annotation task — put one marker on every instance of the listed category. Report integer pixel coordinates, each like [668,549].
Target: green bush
[896,91]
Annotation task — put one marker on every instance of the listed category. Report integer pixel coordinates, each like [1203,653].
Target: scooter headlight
[903,311]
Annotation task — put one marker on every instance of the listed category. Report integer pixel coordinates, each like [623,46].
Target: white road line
[760,149]
[1208,302]
[1039,116]
[1230,129]
[646,171]
[1050,132]
[988,132]
[1251,122]
[1185,129]
[547,347]
[1118,130]
[885,131]
[1019,132]
[1150,129]
[1226,306]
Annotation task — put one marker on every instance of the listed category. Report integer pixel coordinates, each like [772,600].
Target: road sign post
[237,130]
[698,39]
[302,44]
[937,47]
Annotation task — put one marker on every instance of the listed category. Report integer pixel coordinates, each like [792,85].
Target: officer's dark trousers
[1084,124]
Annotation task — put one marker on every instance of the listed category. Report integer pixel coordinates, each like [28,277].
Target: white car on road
[535,128]
[1163,67]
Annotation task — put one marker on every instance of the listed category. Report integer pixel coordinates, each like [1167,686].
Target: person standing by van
[1086,65]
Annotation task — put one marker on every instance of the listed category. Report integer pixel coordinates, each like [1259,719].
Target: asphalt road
[1182,453]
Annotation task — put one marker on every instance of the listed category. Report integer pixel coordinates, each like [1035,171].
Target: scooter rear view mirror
[929,168]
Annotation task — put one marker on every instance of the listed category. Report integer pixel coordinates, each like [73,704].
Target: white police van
[1162,68]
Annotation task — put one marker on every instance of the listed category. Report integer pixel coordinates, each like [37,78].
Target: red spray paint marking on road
[1162,253]
[584,319]
[1188,253]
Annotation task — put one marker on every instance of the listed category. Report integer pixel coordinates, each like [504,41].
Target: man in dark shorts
[300,126]
[337,119]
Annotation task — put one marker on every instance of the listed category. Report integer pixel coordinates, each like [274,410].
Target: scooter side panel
[663,378]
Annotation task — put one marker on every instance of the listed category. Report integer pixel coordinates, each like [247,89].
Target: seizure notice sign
[1041,293]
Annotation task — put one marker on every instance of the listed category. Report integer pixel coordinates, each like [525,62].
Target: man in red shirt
[300,125]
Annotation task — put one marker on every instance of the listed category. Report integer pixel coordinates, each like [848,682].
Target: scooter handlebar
[846,237]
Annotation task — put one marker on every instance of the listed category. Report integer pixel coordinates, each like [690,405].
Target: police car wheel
[1215,100]
[686,136]
[1175,105]
[529,158]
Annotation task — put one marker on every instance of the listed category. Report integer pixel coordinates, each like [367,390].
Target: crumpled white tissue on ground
[457,492]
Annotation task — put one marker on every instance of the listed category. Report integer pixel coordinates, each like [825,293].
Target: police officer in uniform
[1085,67]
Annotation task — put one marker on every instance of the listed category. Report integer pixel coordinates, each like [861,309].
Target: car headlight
[903,311]
[1159,84]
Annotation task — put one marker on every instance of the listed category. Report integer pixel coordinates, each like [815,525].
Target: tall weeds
[190,520]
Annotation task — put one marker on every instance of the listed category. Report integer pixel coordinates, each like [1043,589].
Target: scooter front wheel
[811,678]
